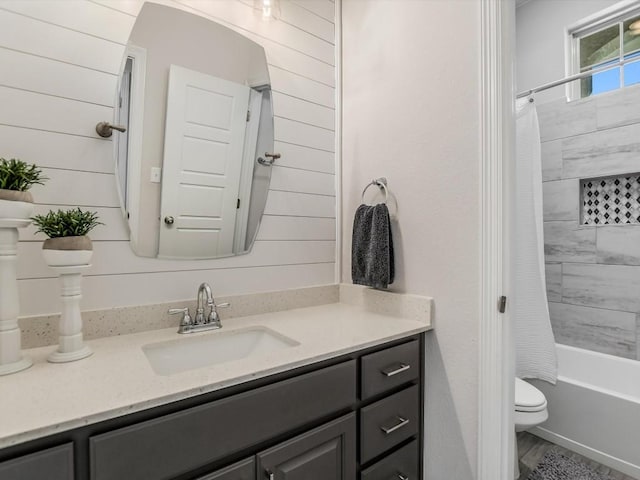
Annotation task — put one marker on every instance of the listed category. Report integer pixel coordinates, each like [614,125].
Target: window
[605,41]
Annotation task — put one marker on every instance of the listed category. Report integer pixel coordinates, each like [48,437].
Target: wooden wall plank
[302,111]
[303,134]
[300,205]
[288,59]
[323,8]
[304,157]
[301,87]
[44,112]
[130,7]
[57,150]
[303,181]
[42,296]
[62,79]
[77,188]
[296,228]
[47,40]
[79,15]
[309,21]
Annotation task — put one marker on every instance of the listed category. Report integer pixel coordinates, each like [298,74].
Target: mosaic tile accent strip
[611,201]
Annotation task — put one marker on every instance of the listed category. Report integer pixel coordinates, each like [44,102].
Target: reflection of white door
[203,150]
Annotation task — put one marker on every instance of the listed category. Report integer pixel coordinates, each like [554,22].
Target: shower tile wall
[593,272]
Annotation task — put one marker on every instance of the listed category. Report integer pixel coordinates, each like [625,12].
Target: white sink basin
[213,348]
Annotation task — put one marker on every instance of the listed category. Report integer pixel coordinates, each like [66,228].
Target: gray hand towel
[372,261]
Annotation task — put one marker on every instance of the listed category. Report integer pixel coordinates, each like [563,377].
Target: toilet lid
[529,398]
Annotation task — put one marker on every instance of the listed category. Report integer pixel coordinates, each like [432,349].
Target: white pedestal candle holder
[11,358]
[71,345]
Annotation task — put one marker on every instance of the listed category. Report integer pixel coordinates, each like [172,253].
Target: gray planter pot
[68,243]
[15,196]
[67,251]
[15,205]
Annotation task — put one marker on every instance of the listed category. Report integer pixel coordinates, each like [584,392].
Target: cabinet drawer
[244,470]
[175,444]
[390,368]
[388,422]
[54,464]
[401,464]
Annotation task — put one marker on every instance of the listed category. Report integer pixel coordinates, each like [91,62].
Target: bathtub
[594,409]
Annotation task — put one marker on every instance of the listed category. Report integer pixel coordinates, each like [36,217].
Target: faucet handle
[175,311]
[186,318]
[213,317]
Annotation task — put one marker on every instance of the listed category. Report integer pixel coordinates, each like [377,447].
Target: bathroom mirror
[193,166]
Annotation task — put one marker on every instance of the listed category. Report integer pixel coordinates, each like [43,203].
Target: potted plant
[67,230]
[16,178]
[16,206]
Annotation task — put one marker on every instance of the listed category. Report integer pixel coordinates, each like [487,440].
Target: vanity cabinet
[354,417]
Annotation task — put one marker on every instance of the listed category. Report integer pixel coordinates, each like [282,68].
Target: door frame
[496,346]
[131,211]
[249,156]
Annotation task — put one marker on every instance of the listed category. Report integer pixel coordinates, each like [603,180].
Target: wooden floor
[531,449]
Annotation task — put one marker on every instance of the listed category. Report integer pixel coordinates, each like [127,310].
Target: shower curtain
[534,342]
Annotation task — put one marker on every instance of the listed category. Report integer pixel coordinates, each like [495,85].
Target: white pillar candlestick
[71,345]
[11,358]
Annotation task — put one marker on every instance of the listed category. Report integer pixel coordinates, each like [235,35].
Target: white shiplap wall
[59,62]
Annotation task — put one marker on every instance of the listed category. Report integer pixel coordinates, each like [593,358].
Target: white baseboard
[601,457]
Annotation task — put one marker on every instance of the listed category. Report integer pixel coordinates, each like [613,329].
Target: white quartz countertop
[118,379]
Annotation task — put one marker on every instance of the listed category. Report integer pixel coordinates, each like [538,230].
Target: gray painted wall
[413,115]
[593,273]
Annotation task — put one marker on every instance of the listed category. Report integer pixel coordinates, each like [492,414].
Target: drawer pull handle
[401,423]
[270,475]
[390,372]
[402,477]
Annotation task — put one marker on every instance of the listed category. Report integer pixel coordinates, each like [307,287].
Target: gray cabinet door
[325,453]
[244,470]
[53,464]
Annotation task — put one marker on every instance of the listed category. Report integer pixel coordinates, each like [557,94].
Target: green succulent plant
[18,175]
[68,223]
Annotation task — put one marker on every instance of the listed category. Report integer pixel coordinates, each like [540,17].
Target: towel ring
[380,183]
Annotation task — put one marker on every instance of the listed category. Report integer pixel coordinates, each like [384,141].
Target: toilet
[530,408]
[530,411]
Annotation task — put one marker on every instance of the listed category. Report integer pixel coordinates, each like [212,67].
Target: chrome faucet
[201,322]
[204,289]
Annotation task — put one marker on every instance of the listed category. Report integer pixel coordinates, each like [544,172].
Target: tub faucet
[202,321]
